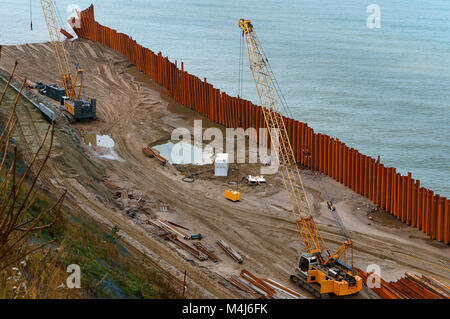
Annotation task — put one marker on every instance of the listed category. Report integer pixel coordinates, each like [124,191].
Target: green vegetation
[108,269]
[40,238]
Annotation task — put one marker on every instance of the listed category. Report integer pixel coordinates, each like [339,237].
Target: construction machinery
[232,195]
[315,271]
[76,108]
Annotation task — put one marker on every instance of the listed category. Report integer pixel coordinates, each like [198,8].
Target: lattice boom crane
[315,272]
[74,105]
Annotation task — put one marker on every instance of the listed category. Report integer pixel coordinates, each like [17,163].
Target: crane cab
[321,281]
[305,262]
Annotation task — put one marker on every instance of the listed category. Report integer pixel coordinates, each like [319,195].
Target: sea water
[384,91]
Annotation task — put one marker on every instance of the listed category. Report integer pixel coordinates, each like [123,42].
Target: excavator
[76,108]
[317,269]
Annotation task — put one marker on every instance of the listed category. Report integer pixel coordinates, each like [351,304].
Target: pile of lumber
[197,254]
[208,252]
[171,233]
[230,251]
[262,287]
[168,226]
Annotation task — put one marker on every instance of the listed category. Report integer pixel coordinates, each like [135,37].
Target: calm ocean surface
[383,91]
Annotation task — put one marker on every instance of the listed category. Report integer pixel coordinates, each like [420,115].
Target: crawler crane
[314,271]
[75,107]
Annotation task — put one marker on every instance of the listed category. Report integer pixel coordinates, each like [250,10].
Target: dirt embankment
[135,112]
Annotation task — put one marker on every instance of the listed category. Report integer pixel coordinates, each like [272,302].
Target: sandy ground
[135,112]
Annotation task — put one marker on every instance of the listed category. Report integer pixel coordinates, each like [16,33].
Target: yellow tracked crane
[77,109]
[314,271]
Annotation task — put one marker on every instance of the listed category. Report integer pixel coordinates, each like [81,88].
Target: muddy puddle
[181,152]
[102,146]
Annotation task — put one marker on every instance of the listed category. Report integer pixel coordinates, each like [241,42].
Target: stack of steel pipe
[401,196]
[410,287]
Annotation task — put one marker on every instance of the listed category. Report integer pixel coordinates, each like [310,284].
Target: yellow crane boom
[60,53]
[273,118]
[310,234]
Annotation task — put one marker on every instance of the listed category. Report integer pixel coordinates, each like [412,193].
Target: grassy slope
[100,256]
[108,270]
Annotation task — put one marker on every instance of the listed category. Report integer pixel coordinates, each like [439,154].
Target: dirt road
[135,112]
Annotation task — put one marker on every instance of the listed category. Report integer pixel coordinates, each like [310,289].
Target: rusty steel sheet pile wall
[401,196]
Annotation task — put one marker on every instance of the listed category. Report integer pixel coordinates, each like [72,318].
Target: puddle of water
[180,152]
[103,146]
[99,140]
